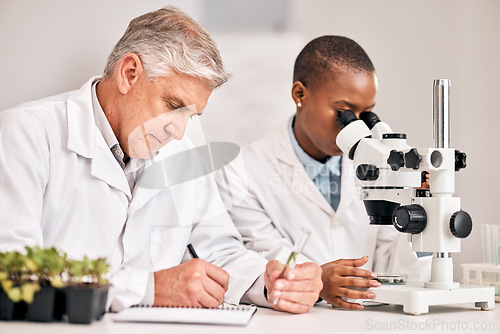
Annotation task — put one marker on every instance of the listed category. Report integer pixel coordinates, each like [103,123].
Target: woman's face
[315,125]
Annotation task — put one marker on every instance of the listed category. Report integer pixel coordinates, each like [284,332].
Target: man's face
[155,112]
[315,124]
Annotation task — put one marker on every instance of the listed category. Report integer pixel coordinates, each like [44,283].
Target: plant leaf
[15,294]
[57,282]
[6,285]
[28,291]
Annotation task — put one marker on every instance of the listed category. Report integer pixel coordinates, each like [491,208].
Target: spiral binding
[225,308]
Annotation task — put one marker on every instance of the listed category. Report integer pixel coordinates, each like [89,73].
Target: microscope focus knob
[410,219]
[460,160]
[396,160]
[413,159]
[461,224]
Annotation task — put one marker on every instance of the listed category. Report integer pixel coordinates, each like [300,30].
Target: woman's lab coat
[61,186]
[271,199]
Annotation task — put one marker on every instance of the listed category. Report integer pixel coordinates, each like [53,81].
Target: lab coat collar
[294,173]
[82,130]
[283,149]
[85,140]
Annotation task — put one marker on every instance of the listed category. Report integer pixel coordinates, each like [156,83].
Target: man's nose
[180,126]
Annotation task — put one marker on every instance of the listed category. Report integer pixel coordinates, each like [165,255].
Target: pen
[192,251]
[298,247]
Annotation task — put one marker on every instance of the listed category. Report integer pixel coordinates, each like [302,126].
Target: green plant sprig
[22,275]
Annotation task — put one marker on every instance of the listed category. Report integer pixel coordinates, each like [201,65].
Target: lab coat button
[335,224]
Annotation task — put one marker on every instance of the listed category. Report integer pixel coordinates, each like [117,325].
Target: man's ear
[299,93]
[129,70]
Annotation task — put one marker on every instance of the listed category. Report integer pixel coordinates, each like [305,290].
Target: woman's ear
[298,94]
[129,70]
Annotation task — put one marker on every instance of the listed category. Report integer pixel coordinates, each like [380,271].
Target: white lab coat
[271,199]
[61,186]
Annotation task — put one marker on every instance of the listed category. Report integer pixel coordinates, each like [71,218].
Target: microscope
[389,173]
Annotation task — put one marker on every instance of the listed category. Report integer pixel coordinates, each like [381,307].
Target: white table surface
[321,319]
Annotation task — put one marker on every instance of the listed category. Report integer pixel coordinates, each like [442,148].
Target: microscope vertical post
[442,265]
[441,113]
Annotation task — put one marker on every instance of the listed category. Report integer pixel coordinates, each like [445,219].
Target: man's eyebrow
[178,101]
[174,99]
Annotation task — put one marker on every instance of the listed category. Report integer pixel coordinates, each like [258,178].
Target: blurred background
[51,46]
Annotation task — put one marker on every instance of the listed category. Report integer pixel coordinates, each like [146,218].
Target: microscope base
[416,299]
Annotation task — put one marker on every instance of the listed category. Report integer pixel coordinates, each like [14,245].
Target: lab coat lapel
[106,168]
[85,139]
[153,176]
[143,194]
[348,189]
[294,174]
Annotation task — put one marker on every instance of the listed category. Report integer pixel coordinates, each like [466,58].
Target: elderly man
[72,166]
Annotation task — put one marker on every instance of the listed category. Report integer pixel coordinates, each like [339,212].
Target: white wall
[51,46]
[412,43]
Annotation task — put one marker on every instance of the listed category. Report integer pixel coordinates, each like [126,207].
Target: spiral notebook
[222,315]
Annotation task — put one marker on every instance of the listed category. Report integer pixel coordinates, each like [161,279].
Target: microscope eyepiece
[344,118]
[370,118]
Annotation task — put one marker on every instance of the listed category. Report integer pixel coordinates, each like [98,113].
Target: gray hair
[168,40]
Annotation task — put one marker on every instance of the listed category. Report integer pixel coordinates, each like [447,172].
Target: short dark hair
[327,54]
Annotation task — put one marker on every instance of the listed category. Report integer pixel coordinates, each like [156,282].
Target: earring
[299,105]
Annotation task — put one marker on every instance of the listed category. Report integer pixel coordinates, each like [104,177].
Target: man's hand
[297,291]
[195,283]
[339,275]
